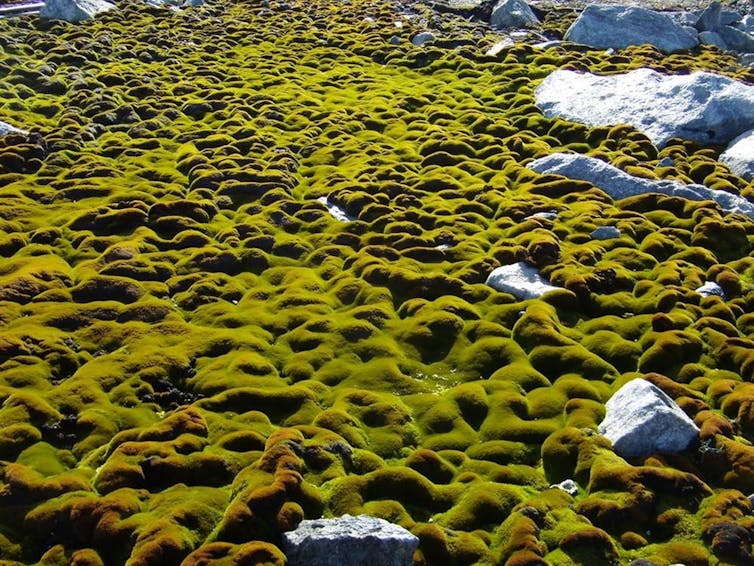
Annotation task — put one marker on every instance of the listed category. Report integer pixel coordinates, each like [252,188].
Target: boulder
[621,26]
[709,19]
[349,541]
[701,106]
[6,128]
[711,288]
[421,38]
[513,14]
[520,280]
[73,10]
[605,233]
[739,156]
[641,420]
[713,38]
[736,39]
[619,184]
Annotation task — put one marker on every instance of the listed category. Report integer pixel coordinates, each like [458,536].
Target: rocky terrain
[269,261]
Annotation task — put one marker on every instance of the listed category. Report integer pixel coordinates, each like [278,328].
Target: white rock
[6,128]
[621,26]
[569,486]
[605,233]
[545,215]
[641,420]
[500,45]
[703,107]
[73,10]
[513,14]
[349,541]
[711,288]
[335,211]
[619,184]
[421,38]
[739,156]
[520,280]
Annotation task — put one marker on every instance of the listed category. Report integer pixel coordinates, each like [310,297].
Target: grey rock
[605,233]
[713,38]
[544,215]
[421,38]
[641,420]
[520,280]
[666,162]
[501,45]
[73,10]
[739,157]
[711,288]
[335,211]
[6,128]
[709,19]
[621,26]
[394,40]
[619,184]
[736,39]
[701,106]
[730,17]
[513,14]
[349,541]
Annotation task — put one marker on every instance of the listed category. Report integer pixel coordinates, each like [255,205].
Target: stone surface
[506,43]
[421,38]
[569,486]
[736,39]
[619,184]
[6,128]
[335,211]
[641,420]
[349,541]
[703,107]
[513,14]
[73,10]
[520,280]
[712,38]
[709,19]
[739,156]
[605,233]
[621,26]
[711,288]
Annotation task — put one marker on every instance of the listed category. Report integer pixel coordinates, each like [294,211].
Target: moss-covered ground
[195,355]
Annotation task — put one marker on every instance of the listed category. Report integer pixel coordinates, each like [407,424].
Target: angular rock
[513,14]
[619,184]
[641,420]
[736,39]
[739,156]
[621,26]
[6,128]
[701,106]
[709,19]
[335,211]
[711,288]
[73,10]
[349,541]
[713,38]
[520,280]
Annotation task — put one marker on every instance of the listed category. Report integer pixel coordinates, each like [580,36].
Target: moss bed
[195,355]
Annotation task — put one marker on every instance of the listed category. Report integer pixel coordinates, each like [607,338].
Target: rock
[739,156]
[713,38]
[421,38]
[569,486]
[711,288]
[520,280]
[736,39]
[335,211]
[701,106]
[6,128]
[621,26]
[709,19]
[349,541]
[641,420]
[506,43]
[545,215]
[73,10]
[605,233]
[513,14]
[619,184]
